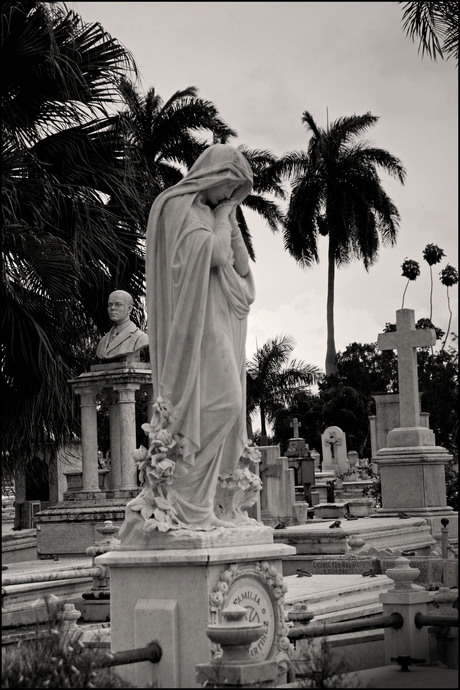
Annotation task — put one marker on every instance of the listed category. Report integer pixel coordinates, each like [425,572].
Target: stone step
[20,545]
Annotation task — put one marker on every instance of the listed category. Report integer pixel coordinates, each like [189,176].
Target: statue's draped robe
[197,318]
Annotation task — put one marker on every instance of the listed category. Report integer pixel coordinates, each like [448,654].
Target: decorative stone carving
[238,491]
[259,588]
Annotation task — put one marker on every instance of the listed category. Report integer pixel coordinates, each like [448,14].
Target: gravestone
[303,464]
[295,426]
[411,465]
[294,449]
[334,446]
[277,497]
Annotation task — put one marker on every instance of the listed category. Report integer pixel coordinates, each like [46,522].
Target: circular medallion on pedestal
[249,592]
[260,589]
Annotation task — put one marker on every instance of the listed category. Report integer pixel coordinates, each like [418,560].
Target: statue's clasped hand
[226,211]
[226,207]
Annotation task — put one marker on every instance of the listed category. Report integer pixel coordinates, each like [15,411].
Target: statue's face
[221,192]
[118,307]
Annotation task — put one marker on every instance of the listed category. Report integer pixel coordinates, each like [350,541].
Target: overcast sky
[262,65]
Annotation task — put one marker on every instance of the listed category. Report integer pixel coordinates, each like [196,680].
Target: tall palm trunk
[263,427]
[331,355]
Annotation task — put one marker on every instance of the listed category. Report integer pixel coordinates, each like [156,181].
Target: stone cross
[295,425]
[334,447]
[406,340]
[333,441]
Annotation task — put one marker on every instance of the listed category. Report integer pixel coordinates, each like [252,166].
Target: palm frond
[435,25]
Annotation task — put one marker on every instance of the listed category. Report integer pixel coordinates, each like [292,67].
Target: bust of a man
[125,339]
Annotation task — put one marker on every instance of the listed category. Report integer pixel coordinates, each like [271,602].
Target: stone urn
[403,575]
[235,634]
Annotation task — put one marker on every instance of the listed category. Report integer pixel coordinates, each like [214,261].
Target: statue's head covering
[175,311]
[217,164]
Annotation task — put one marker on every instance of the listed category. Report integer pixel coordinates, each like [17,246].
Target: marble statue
[199,289]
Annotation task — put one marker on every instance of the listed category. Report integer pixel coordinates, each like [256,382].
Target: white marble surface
[195,556]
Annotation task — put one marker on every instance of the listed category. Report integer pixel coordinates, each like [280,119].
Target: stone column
[115,458]
[150,401]
[127,431]
[90,476]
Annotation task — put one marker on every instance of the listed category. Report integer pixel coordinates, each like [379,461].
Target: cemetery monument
[101,494]
[186,552]
[411,465]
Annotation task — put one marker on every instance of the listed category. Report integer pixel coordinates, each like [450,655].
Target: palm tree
[163,143]
[68,201]
[272,379]
[163,138]
[435,25]
[336,192]
[449,277]
[432,255]
[77,183]
[267,181]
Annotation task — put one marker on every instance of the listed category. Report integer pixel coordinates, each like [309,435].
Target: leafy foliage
[451,469]
[411,271]
[272,378]
[78,180]
[438,380]
[432,254]
[449,276]
[336,191]
[67,203]
[164,138]
[435,25]
[53,658]
[318,667]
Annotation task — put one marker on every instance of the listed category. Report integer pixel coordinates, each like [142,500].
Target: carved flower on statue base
[155,502]
[239,490]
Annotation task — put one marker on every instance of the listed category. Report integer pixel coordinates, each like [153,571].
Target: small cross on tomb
[406,340]
[333,441]
[295,425]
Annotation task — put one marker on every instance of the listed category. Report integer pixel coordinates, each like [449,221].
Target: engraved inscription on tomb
[253,596]
[259,588]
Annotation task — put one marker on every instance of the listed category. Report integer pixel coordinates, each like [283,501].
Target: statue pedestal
[173,595]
